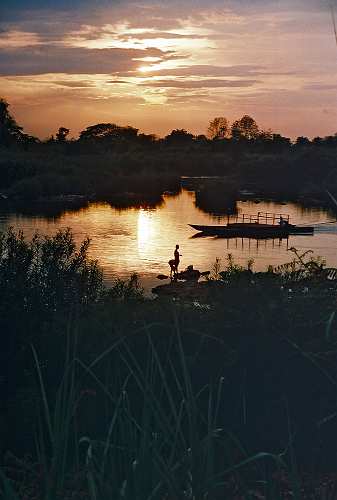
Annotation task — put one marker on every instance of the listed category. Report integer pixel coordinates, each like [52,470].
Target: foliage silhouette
[151,397]
[179,136]
[245,128]
[218,128]
[10,131]
[104,162]
[108,132]
[62,134]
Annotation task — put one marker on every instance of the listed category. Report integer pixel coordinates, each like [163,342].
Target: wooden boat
[256,226]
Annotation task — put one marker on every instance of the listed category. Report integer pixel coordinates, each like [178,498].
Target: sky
[159,65]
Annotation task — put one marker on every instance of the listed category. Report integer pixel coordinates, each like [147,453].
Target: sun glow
[123,37]
[145,231]
[167,65]
[148,59]
[145,69]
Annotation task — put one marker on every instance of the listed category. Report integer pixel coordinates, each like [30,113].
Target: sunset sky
[176,64]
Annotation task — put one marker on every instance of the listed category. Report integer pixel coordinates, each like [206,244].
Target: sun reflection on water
[145,231]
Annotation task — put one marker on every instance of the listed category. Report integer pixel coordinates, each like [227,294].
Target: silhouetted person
[174,263]
[177,256]
[283,222]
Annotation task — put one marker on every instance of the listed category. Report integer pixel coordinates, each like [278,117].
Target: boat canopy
[259,218]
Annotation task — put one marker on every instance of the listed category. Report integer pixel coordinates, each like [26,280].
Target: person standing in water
[174,263]
[177,256]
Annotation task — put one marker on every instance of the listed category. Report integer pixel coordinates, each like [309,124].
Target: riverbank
[162,395]
[45,171]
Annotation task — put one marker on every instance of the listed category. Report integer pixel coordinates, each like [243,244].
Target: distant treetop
[242,133]
[62,134]
[245,128]
[218,128]
[179,136]
[108,131]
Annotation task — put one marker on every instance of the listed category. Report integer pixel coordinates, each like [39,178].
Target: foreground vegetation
[106,394]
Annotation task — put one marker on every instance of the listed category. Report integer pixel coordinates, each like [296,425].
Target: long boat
[260,225]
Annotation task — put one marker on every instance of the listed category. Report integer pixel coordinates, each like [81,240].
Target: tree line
[244,130]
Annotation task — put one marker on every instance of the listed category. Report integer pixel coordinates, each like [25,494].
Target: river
[143,240]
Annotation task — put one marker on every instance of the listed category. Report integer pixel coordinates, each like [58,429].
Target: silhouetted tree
[266,135]
[218,128]
[147,139]
[10,131]
[279,140]
[245,128]
[108,131]
[62,134]
[201,138]
[317,141]
[302,141]
[330,140]
[179,136]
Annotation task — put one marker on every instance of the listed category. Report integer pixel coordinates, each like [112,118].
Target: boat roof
[260,217]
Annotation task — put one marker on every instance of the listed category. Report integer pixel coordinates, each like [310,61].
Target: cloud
[204,55]
[53,59]
[18,39]
[194,100]
[75,4]
[75,84]
[20,9]
[321,86]
[208,70]
[118,82]
[199,84]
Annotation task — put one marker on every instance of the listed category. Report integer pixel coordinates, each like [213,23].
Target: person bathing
[174,263]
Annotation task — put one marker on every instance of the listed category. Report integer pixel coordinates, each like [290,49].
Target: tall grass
[165,437]
[165,434]
[150,400]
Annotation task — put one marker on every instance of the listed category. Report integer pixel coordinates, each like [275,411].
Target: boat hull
[253,230]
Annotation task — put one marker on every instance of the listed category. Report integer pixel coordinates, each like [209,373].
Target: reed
[145,399]
[166,437]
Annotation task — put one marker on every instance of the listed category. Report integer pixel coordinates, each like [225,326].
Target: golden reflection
[145,232]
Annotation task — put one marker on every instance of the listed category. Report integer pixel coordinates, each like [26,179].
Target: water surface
[143,240]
